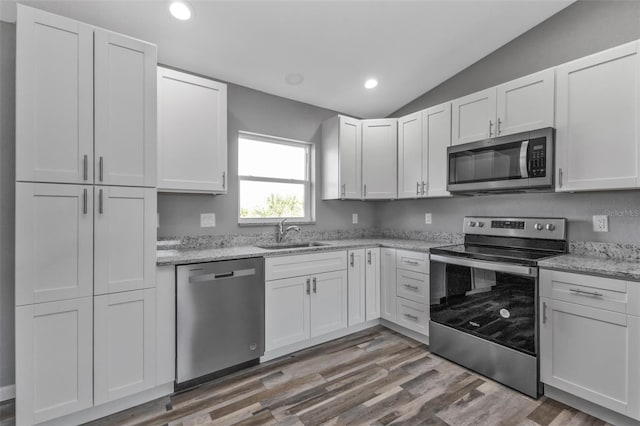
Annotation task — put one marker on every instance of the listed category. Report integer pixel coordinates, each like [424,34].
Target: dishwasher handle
[215,276]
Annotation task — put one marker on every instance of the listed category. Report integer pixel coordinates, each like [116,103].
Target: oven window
[500,162]
[495,306]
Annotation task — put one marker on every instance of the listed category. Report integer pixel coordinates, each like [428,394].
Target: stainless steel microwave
[513,163]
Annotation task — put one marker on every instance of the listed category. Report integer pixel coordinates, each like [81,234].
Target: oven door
[490,300]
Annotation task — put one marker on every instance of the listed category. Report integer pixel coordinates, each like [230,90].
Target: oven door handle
[524,149]
[489,266]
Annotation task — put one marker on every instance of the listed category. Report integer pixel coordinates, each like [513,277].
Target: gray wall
[583,28]
[7,197]
[254,111]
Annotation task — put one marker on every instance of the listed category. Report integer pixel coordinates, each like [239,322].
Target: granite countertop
[186,256]
[627,269]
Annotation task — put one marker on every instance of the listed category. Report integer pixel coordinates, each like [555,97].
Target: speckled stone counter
[186,256]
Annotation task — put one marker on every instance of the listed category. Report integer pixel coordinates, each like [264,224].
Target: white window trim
[308,182]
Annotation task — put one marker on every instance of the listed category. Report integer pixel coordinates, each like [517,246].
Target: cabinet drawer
[587,290]
[412,261]
[304,264]
[412,285]
[412,315]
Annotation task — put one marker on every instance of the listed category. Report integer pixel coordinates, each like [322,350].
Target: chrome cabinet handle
[586,293]
[365,190]
[411,262]
[412,287]
[544,312]
[424,190]
[308,286]
[413,317]
[85,173]
[369,257]
[224,180]
[101,168]
[315,288]
[490,128]
[417,188]
[353,262]
[560,177]
[499,126]
[100,210]
[344,189]
[84,202]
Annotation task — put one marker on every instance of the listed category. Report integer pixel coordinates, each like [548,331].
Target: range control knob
[550,227]
[480,224]
[471,223]
[538,227]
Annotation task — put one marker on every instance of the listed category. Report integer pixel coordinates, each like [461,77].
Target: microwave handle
[524,148]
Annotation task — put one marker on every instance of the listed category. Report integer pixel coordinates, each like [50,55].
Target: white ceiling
[409,46]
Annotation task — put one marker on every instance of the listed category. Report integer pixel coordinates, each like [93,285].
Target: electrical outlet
[354,218]
[600,223]
[427,218]
[207,220]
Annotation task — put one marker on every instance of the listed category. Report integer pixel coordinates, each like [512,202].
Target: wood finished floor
[373,377]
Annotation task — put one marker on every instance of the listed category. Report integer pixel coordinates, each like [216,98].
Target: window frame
[308,182]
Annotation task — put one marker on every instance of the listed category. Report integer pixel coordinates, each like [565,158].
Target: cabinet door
[474,117]
[589,352]
[328,302]
[125,344]
[413,286]
[125,239]
[526,103]
[436,128]
[412,315]
[379,158]
[54,98]
[54,359]
[350,157]
[166,324]
[388,283]
[125,111]
[192,133]
[597,121]
[356,281]
[286,312]
[372,280]
[54,242]
[410,156]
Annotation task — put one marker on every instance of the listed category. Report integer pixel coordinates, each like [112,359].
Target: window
[275,179]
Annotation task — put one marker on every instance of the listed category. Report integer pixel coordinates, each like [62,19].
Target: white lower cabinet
[372,284]
[125,339]
[589,344]
[413,315]
[54,359]
[286,312]
[388,284]
[364,285]
[328,310]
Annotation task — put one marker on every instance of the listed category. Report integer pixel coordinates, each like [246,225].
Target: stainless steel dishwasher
[220,317]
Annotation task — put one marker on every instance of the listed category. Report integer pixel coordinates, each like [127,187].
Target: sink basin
[279,246]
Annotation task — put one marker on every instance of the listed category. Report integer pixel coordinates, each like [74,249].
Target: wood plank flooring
[373,377]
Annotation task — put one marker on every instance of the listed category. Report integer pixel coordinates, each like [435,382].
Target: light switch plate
[207,220]
[427,218]
[600,223]
[354,218]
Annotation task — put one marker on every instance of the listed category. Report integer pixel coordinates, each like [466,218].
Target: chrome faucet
[282,231]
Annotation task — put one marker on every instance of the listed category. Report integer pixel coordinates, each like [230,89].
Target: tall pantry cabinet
[85,216]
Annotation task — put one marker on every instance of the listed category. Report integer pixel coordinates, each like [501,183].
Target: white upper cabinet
[379,158]
[125,110]
[54,98]
[54,242]
[192,133]
[598,115]
[410,156]
[474,117]
[436,128]
[517,106]
[341,158]
[125,239]
[526,103]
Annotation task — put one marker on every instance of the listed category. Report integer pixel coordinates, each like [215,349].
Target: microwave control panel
[537,158]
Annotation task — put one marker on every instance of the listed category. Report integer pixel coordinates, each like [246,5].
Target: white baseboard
[7,392]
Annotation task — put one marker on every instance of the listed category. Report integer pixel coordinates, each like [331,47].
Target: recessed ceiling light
[294,79]
[180,10]
[371,83]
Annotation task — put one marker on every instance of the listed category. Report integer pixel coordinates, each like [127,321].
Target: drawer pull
[411,262]
[413,317]
[412,287]
[586,293]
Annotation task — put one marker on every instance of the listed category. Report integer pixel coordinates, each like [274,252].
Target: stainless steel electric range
[484,297]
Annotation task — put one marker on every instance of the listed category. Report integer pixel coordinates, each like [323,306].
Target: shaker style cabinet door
[350,157]
[125,239]
[54,242]
[474,117]
[192,133]
[356,282]
[597,121]
[54,359]
[286,312]
[372,279]
[125,111]
[54,98]
[379,158]
[411,174]
[526,103]
[125,344]
[436,128]
[388,284]
[328,310]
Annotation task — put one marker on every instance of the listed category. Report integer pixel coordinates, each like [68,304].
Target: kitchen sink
[279,246]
